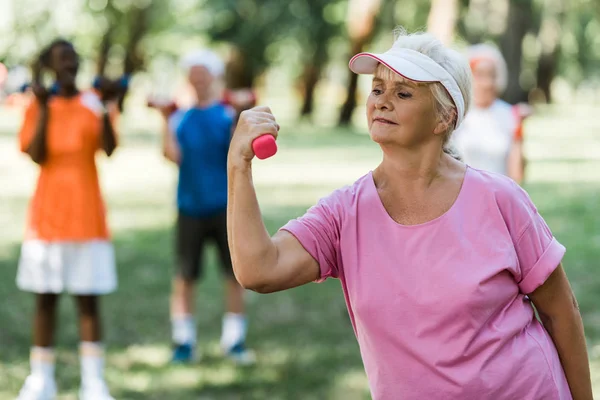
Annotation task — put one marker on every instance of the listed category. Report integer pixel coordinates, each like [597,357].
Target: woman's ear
[445,123]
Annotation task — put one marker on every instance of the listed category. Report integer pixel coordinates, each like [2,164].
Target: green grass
[303,337]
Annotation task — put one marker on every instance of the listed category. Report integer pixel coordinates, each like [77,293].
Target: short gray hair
[453,62]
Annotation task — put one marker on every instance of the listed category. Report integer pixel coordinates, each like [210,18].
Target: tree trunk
[520,17]
[312,71]
[103,53]
[360,24]
[350,103]
[545,74]
[441,21]
[549,39]
[311,77]
[138,27]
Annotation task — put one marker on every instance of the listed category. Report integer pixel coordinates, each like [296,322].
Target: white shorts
[79,268]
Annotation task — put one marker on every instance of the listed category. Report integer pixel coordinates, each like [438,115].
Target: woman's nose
[383,102]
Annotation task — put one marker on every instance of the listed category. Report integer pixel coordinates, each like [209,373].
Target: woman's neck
[70,92]
[415,165]
[415,170]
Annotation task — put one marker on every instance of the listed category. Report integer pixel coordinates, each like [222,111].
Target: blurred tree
[250,27]
[29,27]
[103,51]
[138,20]
[579,56]
[316,27]
[128,23]
[480,21]
[552,19]
[462,27]
[360,26]
[519,23]
[442,19]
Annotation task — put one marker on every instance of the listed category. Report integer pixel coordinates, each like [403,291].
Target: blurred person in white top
[491,136]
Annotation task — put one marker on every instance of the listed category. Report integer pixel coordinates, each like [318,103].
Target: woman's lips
[384,121]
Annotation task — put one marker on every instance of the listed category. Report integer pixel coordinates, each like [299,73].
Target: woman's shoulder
[346,197]
[510,198]
[493,182]
[351,191]
[332,210]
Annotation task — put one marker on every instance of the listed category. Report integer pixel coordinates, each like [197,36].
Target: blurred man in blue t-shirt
[197,139]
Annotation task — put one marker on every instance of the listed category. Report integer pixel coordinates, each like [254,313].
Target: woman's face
[484,83]
[65,63]
[399,111]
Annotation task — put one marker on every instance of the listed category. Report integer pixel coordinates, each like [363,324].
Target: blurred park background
[294,54]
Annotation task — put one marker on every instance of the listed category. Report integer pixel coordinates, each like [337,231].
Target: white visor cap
[414,66]
[205,58]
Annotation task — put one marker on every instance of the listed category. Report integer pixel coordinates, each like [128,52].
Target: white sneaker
[38,388]
[95,390]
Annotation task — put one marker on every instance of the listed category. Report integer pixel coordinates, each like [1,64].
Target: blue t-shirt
[203,136]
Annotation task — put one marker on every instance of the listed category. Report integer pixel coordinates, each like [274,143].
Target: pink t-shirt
[440,308]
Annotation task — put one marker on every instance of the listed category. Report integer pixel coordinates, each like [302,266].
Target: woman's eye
[404,95]
[376,91]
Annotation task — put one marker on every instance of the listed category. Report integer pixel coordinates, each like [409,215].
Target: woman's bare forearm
[253,252]
[568,336]
[37,149]
[558,310]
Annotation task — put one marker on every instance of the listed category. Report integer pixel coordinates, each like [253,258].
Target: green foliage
[252,26]
[580,45]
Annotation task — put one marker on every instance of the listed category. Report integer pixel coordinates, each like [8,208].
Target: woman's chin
[381,136]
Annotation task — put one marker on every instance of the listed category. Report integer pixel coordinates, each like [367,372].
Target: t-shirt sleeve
[29,125]
[538,251]
[318,231]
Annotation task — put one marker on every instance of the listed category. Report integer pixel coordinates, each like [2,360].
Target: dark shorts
[193,233]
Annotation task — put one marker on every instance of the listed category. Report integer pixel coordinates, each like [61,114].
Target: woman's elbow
[562,313]
[254,282]
[260,288]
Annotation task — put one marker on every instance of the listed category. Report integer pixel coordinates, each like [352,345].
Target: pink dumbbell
[264,146]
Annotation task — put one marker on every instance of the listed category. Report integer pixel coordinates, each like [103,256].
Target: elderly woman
[491,136]
[440,263]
